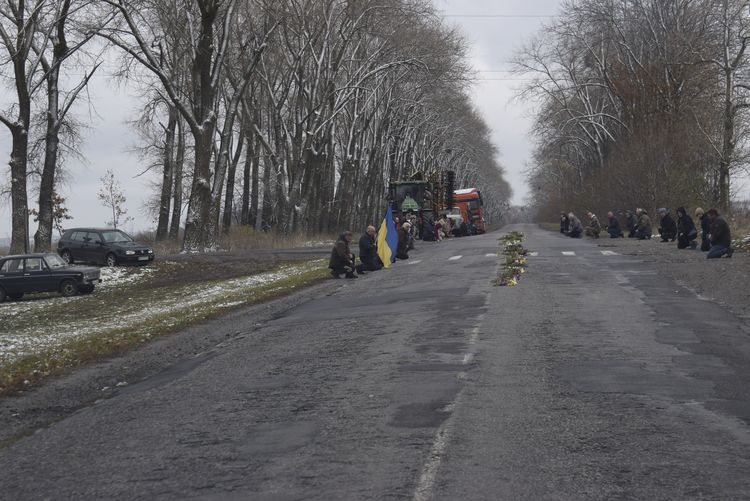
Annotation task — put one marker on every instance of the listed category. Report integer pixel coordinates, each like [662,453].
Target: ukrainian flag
[387,239]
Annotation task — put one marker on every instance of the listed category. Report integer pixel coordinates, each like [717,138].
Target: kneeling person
[721,236]
[342,260]
[368,252]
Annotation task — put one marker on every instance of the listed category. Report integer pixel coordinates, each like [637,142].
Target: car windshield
[54,261]
[115,237]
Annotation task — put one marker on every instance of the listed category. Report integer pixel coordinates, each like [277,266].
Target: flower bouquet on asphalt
[515,259]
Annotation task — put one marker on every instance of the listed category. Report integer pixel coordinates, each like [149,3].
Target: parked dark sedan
[109,247]
[28,273]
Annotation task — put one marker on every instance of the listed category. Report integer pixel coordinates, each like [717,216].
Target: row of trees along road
[292,114]
[641,103]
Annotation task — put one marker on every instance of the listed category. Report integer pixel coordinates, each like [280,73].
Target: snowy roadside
[51,332]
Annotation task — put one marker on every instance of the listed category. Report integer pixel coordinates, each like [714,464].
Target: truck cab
[469,202]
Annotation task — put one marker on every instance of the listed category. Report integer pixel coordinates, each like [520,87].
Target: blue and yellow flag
[387,239]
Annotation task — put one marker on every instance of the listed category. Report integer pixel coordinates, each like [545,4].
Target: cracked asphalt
[596,378]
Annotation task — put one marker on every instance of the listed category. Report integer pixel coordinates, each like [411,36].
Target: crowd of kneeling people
[716,238]
[343,260]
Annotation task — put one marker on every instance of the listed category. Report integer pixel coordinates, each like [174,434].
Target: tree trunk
[245,218]
[728,145]
[162,227]
[255,188]
[229,196]
[19,202]
[199,229]
[197,232]
[174,229]
[43,235]
[267,212]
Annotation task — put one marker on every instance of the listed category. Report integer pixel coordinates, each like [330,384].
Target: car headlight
[129,253]
[150,251]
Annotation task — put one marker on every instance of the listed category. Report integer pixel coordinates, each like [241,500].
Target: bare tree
[111,196]
[63,14]
[19,25]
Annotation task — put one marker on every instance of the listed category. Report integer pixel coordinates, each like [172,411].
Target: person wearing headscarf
[402,251]
[667,226]
[705,229]
[686,232]
[575,228]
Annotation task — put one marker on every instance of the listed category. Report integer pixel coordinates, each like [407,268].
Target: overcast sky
[494,28]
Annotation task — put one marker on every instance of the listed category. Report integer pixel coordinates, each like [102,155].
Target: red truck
[469,201]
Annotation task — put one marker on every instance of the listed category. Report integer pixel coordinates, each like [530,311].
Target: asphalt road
[595,378]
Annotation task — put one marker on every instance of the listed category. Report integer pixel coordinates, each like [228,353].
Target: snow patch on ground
[119,277]
[318,243]
[142,312]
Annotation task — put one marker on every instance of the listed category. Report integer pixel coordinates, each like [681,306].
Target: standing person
[686,232]
[439,225]
[563,223]
[447,223]
[342,260]
[368,252]
[721,237]
[667,226]
[594,227]
[631,221]
[575,227]
[643,228]
[705,229]
[402,251]
[412,231]
[613,226]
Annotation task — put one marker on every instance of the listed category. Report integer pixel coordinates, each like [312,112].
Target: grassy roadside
[40,338]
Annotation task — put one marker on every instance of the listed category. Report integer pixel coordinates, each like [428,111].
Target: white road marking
[454,258]
[609,253]
[430,470]
[415,262]
[426,484]
[490,255]
[568,253]
[533,254]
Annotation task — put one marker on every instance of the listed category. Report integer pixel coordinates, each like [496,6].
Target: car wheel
[2,294]
[110,260]
[67,256]
[68,288]
[16,296]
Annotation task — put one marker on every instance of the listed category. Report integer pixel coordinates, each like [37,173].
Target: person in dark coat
[721,237]
[686,232]
[402,251]
[705,229]
[563,223]
[667,226]
[632,222]
[368,252]
[342,260]
[575,228]
[613,226]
